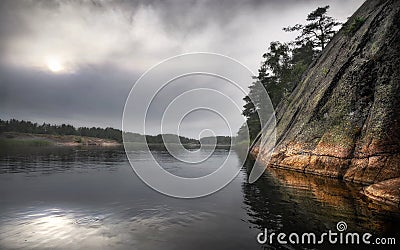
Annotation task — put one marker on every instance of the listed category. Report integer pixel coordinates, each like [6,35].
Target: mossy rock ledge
[343,119]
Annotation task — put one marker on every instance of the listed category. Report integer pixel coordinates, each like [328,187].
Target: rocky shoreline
[343,119]
[387,192]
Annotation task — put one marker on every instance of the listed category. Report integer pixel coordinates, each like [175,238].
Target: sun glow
[54,64]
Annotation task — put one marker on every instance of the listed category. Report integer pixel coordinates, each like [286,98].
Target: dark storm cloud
[97,49]
[94,97]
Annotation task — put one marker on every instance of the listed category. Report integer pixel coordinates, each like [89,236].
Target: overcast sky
[76,61]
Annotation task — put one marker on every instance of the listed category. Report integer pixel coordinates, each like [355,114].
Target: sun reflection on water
[51,228]
[90,229]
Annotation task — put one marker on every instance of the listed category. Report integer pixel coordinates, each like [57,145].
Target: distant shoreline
[17,139]
[17,133]
[30,139]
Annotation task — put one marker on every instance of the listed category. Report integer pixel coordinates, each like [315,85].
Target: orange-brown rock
[386,191]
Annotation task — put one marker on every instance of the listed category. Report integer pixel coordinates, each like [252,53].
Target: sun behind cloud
[54,64]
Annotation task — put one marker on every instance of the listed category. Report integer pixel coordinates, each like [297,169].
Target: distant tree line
[167,138]
[221,140]
[22,126]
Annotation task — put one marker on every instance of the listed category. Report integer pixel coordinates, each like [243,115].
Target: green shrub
[351,28]
[78,139]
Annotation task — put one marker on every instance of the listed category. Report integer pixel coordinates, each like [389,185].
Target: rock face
[343,118]
[385,191]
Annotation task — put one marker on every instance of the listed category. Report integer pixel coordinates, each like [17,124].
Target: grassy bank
[14,139]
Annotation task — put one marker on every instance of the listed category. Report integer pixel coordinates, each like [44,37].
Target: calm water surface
[71,198]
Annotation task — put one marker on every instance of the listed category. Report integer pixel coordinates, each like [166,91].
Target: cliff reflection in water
[287,201]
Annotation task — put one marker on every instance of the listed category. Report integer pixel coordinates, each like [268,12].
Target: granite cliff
[343,119]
